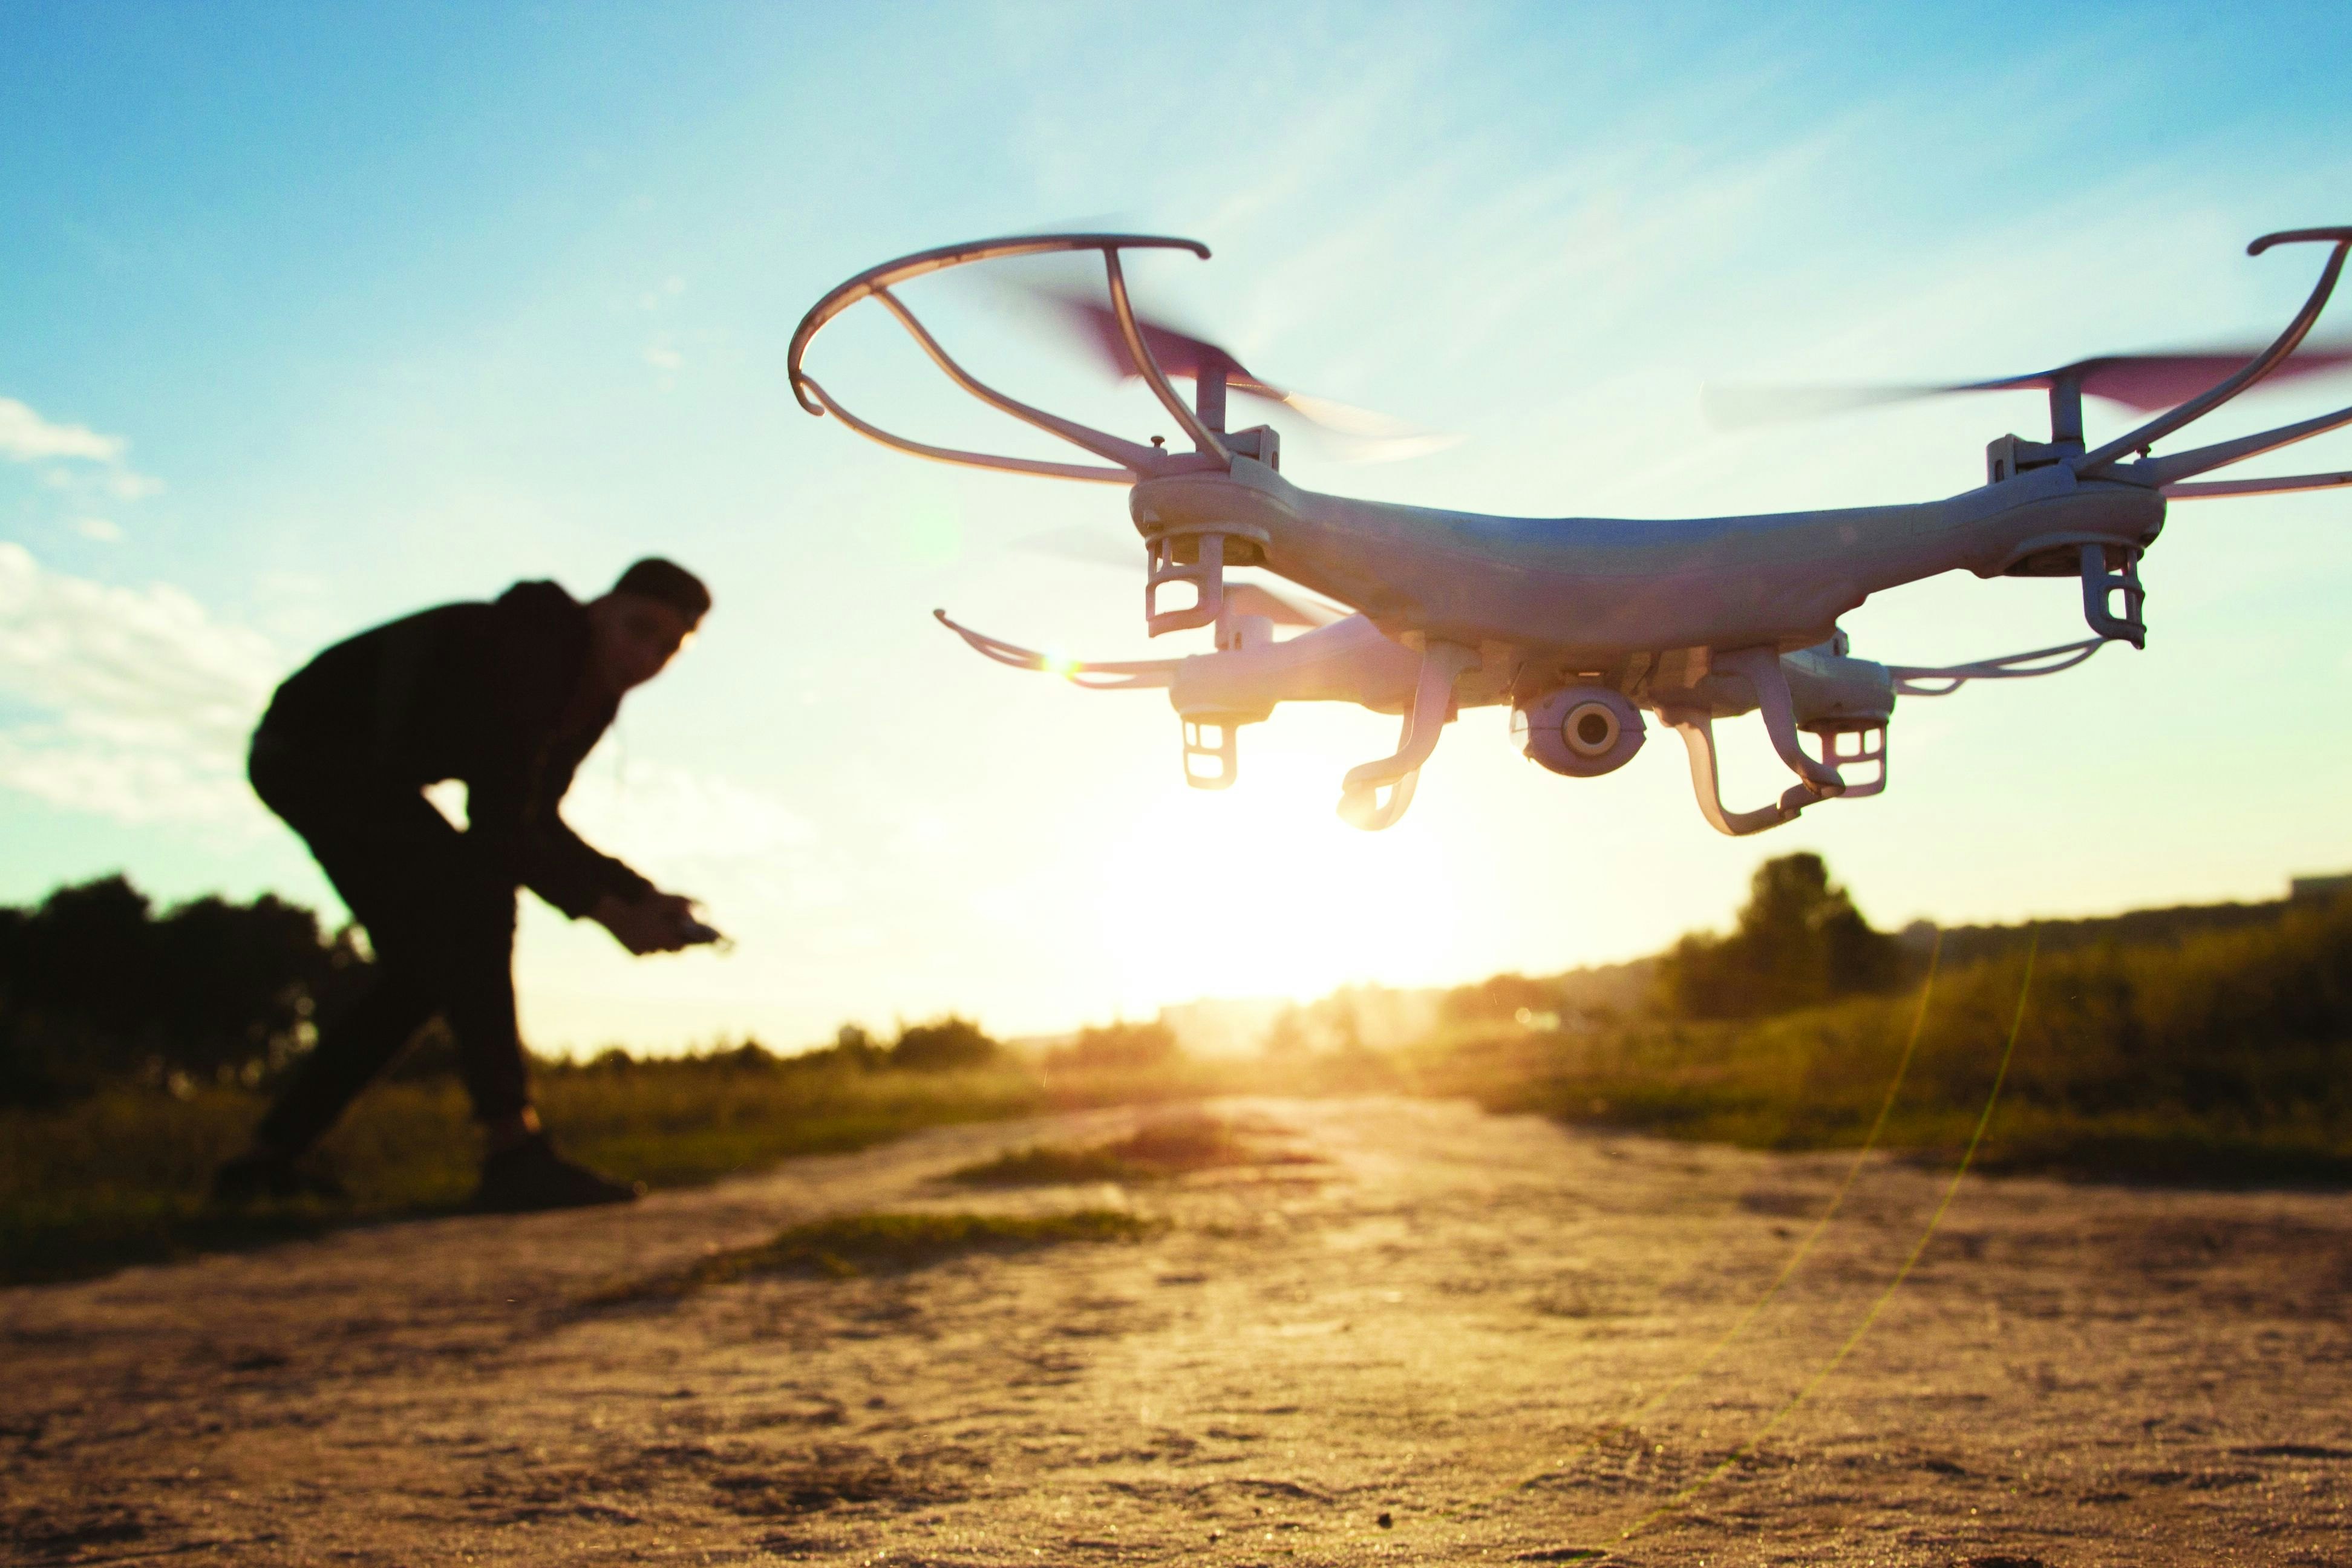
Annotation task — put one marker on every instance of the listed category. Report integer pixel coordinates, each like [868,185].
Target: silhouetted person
[506,697]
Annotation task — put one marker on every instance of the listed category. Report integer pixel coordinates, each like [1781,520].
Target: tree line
[96,988]
[1797,942]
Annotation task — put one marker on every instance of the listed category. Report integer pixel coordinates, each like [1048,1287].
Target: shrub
[851,1048]
[1800,942]
[949,1044]
[95,988]
[1118,1046]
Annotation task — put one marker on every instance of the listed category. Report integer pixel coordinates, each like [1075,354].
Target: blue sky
[310,317]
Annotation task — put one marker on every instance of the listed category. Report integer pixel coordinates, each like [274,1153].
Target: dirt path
[1429,1329]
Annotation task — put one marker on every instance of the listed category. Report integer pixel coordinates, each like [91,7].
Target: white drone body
[1580,624]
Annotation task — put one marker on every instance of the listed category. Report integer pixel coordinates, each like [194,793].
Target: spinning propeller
[2141,383]
[1216,371]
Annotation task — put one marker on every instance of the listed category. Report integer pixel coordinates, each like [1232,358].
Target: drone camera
[1581,732]
[1592,730]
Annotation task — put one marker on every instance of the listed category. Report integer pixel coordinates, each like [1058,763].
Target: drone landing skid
[1762,667]
[1212,740]
[1853,745]
[1361,805]
[1817,777]
[1697,731]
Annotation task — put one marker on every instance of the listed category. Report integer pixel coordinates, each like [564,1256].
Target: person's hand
[657,923]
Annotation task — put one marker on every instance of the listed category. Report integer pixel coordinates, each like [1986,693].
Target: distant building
[2301,887]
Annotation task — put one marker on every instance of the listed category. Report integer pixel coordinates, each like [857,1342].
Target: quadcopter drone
[1583,623]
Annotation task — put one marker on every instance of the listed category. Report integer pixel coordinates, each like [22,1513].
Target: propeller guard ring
[1134,462]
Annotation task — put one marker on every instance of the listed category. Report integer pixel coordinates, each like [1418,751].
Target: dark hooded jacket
[488,694]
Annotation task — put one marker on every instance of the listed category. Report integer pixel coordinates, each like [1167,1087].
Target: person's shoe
[532,1175]
[259,1177]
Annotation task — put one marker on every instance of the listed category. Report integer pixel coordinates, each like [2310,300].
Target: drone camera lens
[1590,730]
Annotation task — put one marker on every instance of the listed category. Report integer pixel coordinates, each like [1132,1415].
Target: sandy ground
[1438,1346]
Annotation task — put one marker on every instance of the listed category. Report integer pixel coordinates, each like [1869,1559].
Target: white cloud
[125,783]
[662,353]
[103,530]
[140,701]
[27,437]
[137,703]
[125,485]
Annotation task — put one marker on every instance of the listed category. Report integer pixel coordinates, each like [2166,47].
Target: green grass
[122,1178]
[1049,1165]
[2217,1054]
[1159,1151]
[2223,1056]
[851,1244]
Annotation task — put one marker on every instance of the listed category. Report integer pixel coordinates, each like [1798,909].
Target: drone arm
[1136,459]
[1149,368]
[2269,360]
[1103,677]
[1921,680]
[826,405]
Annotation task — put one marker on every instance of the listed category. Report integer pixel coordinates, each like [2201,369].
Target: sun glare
[1205,893]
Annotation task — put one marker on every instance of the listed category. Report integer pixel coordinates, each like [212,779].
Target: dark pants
[441,921]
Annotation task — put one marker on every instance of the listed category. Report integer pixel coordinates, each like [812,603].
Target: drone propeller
[1179,354]
[2142,382]
[1182,354]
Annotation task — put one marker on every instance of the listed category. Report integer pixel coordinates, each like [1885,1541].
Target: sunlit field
[2222,1057]
[2215,1055]
[123,1176]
